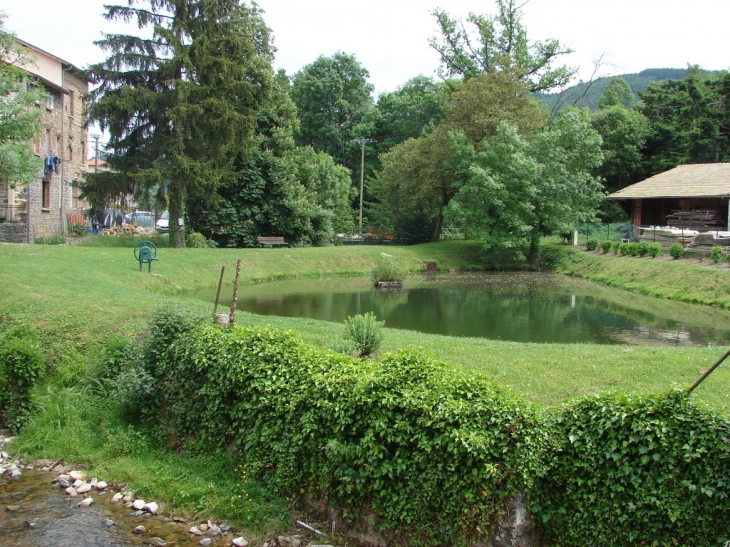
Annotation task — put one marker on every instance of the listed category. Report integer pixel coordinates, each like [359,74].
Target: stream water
[34,513]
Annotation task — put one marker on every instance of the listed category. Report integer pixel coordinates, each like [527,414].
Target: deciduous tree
[488,44]
[19,111]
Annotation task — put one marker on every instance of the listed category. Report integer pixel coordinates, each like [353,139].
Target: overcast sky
[390,37]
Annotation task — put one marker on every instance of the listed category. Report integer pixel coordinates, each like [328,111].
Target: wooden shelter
[696,196]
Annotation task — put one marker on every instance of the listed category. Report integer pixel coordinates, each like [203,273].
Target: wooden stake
[218,294]
[234,301]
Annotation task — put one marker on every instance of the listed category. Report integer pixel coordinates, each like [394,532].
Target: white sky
[390,37]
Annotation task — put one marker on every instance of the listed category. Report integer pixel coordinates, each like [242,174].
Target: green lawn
[78,295]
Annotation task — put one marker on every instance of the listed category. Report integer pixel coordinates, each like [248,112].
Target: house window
[46,204]
[50,102]
[71,104]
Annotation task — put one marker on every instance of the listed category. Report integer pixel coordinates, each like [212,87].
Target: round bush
[616,247]
[716,254]
[676,251]
[194,240]
[606,246]
[654,249]
[591,244]
[642,249]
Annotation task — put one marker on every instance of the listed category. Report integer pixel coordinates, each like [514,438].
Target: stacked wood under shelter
[702,244]
[696,218]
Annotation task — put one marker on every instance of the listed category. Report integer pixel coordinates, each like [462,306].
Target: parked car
[163,223]
[143,219]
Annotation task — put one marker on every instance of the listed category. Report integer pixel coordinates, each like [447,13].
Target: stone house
[46,206]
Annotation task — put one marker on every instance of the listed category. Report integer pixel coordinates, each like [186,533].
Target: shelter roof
[703,180]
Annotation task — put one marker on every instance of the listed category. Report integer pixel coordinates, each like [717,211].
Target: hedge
[434,452]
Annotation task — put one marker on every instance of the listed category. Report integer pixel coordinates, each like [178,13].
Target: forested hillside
[588,94]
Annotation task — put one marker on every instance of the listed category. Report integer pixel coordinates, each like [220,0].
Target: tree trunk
[175,212]
[437,229]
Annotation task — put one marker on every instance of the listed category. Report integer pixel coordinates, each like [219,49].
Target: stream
[34,512]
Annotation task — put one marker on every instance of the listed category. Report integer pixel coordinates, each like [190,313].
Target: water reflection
[525,307]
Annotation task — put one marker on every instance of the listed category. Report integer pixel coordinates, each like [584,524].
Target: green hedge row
[434,452]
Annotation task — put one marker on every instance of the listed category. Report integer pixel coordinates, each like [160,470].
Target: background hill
[637,82]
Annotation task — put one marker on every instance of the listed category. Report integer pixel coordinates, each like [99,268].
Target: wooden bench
[271,241]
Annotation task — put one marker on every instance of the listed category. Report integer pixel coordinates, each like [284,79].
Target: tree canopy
[333,96]
[19,111]
[495,43]
[180,105]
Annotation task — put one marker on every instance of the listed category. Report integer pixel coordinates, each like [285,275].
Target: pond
[524,307]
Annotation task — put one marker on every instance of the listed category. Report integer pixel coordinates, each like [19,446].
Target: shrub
[651,470]
[195,240]
[78,230]
[676,251]
[22,364]
[654,249]
[642,248]
[168,321]
[716,254]
[53,240]
[616,247]
[366,332]
[386,270]
[632,249]
[606,246]
[591,244]
[566,234]
[623,249]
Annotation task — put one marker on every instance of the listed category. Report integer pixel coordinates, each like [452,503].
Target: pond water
[525,307]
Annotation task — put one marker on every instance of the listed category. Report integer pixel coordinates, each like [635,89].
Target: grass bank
[78,296]
[686,280]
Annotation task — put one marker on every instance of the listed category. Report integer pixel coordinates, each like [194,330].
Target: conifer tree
[180,100]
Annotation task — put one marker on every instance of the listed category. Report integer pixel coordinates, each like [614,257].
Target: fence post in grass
[218,294]
[709,371]
[234,301]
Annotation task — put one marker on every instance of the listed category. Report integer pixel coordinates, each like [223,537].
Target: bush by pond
[387,270]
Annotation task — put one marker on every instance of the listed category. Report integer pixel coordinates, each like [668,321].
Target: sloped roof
[704,180]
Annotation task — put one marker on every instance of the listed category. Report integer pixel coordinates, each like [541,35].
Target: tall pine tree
[180,101]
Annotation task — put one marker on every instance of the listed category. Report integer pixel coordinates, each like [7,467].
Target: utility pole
[96,138]
[363,143]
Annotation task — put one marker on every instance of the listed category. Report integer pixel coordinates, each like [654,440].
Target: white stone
[195,531]
[85,487]
[102,485]
[71,491]
[86,502]
[7,440]
[77,483]
[4,455]
[12,467]
[116,498]
[239,542]
[205,542]
[138,504]
[214,531]
[16,474]
[128,497]
[63,477]
[63,483]
[77,475]
[151,507]
[93,481]
[139,530]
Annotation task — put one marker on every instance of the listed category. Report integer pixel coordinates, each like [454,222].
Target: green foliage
[716,254]
[554,258]
[654,249]
[78,230]
[642,248]
[22,365]
[195,240]
[616,247]
[366,332]
[686,126]
[676,251]
[168,321]
[20,112]
[180,105]
[606,246]
[52,240]
[498,44]
[387,270]
[644,470]
[623,249]
[592,244]
[617,93]
[364,432]
[514,190]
